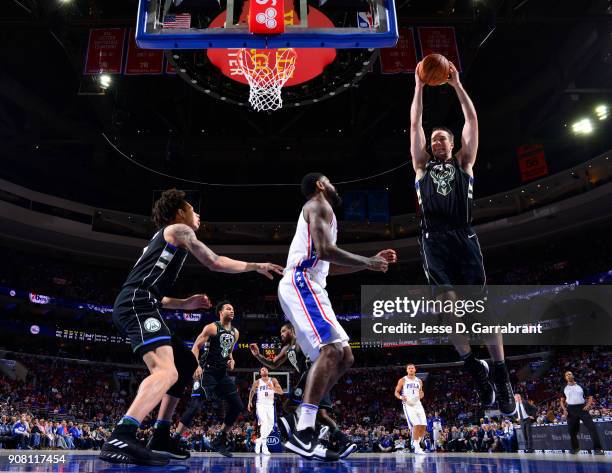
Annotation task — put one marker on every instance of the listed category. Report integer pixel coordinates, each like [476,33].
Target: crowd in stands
[65,404]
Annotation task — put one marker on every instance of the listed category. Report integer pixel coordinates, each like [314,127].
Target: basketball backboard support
[151,34]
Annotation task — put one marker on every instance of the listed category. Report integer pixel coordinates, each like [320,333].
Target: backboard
[172,24]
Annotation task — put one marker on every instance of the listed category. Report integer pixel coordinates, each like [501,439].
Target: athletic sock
[308,416]
[162,424]
[127,426]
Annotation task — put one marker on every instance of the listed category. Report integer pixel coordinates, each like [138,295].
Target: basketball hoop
[266,72]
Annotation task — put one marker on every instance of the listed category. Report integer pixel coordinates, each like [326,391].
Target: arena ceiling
[532,68]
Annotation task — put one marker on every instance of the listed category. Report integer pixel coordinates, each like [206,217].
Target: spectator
[20,433]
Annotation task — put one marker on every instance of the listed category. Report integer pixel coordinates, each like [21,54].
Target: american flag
[180,20]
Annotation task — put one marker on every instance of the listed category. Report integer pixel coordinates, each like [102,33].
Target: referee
[576,409]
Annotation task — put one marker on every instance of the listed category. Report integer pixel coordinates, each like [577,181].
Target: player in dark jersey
[449,245]
[211,380]
[137,315]
[292,352]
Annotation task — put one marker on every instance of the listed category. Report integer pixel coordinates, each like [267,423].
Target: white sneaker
[257,447]
[419,451]
[264,449]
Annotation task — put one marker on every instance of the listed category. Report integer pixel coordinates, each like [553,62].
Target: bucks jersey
[155,271]
[218,349]
[445,195]
[297,358]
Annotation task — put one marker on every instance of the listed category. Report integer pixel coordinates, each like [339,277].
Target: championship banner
[532,162]
[441,40]
[143,61]
[105,51]
[403,57]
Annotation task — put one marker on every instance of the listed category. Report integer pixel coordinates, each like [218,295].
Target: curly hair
[309,184]
[165,208]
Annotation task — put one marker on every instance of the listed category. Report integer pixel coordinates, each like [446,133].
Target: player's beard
[334,199]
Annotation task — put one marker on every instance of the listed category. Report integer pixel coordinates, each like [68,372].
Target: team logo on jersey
[443,175]
[227,342]
[293,359]
[298,392]
[152,324]
[196,385]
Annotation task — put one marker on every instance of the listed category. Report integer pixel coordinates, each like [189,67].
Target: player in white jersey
[265,388]
[409,390]
[312,256]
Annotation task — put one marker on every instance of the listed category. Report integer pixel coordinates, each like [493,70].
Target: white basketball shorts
[307,306]
[415,415]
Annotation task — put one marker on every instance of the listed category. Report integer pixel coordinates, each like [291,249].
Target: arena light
[105,81]
[602,112]
[583,127]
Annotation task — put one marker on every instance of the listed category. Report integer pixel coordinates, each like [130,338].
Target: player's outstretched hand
[250,407]
[454,76]
[231,364]
[254,349]
[378,263]
[389,255]
[268,268]
[198,373]
[417,78]
[197,301]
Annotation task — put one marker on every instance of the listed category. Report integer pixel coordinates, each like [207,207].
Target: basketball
[434,69]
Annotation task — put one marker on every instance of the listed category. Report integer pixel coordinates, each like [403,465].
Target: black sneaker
[343,443]
[286,426]
[167,446]
[503,388]
[598,452]
[479,369]
[305,444]
[125,449]
[219,444]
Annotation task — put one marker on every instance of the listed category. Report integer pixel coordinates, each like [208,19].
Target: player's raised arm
[184,236]
[398,389]
[318,215]
[469,136]
[276,362]
[421,391]
[418,142]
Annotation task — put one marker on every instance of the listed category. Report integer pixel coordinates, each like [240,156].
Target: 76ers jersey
[265,394]
[303,254]
[411,390]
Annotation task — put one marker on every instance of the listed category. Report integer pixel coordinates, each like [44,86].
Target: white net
[267,71]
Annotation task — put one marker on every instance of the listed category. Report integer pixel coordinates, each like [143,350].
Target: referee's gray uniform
[574,396]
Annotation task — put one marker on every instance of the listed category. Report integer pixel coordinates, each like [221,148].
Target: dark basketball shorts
[141,322]
[452,258]
[213,385]
[297,393]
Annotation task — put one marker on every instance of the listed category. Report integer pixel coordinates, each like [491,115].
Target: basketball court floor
[356,463]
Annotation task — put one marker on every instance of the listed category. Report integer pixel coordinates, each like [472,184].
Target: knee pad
[185,363]
[234,408]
